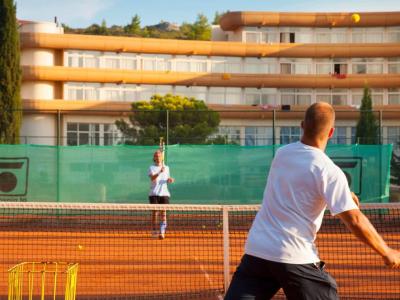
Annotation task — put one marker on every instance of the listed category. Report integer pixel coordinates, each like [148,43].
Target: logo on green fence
[352,168]
[13,178]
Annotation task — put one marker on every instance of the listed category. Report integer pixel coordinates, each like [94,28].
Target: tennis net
[119,259]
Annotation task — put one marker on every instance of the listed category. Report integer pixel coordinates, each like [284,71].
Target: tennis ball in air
[204,226]
[355,18]
[80,247]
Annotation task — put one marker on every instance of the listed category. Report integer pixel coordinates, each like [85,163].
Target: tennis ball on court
[355,18]
[80,247]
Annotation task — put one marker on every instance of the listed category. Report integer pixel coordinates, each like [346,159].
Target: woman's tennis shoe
[163,228]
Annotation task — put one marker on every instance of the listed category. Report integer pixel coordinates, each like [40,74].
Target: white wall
[37,90]
[217,34]
[38,129]
[43,27]
[37,57]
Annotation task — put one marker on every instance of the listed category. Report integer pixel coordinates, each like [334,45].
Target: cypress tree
[10,74]
[367,130]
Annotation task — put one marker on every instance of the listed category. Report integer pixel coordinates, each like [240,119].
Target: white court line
[207,276]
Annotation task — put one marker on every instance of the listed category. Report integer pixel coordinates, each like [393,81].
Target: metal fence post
[225,231]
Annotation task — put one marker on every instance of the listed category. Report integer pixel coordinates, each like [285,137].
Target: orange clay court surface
[118,263]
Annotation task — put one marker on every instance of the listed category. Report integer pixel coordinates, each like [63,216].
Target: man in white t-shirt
[280,251]
[159,193]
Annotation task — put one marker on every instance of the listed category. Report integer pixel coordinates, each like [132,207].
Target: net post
[225,231]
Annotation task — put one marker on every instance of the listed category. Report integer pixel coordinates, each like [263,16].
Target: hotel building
[75,86]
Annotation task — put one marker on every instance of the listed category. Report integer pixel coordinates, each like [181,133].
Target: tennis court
[118,258]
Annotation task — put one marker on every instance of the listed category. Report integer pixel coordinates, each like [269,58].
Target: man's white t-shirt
[159,187]
[302,182]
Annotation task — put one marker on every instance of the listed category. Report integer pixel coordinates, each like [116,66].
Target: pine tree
[134,26]
[10,74]
[217,17]
[201,28]
[367,130]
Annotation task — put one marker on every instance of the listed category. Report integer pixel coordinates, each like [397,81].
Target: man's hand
[355,199]
[392,259]
[171,180]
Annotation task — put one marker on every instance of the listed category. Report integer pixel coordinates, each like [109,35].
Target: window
[339,97]
[393,35]
[252,98]
[128,61]
[302,68]
[260,96]
[394,96]
[359,68]
[269,37]
[233,65]
[182,64]
[119,92]
[198,64]
[377,96]
[394,65]
[226,64]
[338,36]
[197,92]
[393,137]
[92,134]
[83,59]
[82,91]
[353,135]
[259,65]
[151,62]
[253,65]
[258,136]
[334,97]
[356,97]
[268,98]
[110,62]
[323,68]
[322,37]
[252,37]
[231,134]
[287,37]
[286,68]
[216,95]
[304,36]
[288,99]
[233,95]
[218,64]
[339,136]
[340,68]
[357,35]
[374,35]
[146,91]
[295,96]
[289,134]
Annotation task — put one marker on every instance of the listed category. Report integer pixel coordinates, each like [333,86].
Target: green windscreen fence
[210,174]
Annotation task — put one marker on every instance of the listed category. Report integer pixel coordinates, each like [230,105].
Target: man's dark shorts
[159,199]
[256,278]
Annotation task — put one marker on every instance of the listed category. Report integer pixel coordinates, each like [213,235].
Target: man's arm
[154,176]
[362,228]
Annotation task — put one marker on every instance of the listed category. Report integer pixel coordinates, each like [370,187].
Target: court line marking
[206,275]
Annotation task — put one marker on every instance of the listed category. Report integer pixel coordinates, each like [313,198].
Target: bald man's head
[318,120]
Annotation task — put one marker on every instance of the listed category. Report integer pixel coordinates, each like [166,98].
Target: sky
[82,13]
